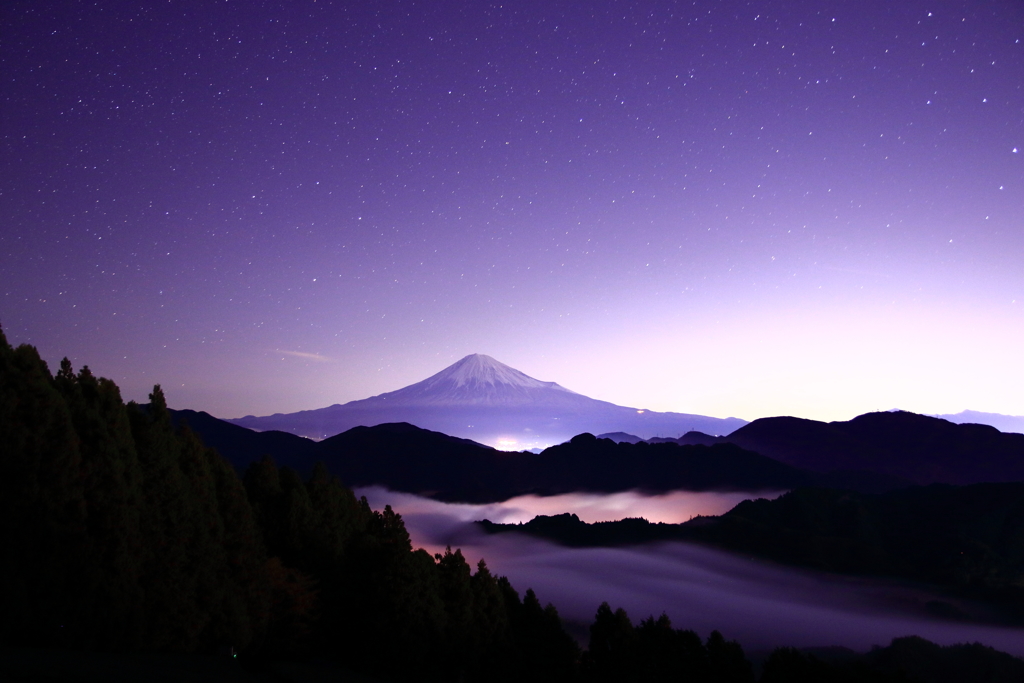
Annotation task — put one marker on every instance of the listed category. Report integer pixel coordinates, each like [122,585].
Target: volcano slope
[482,399]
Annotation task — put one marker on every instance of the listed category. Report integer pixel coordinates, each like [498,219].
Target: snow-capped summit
[479,380]
[476,368]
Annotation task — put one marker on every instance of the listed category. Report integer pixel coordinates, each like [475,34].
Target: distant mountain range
[872,453]
[918,449]
[481,399]
[1004,423]
[402,457]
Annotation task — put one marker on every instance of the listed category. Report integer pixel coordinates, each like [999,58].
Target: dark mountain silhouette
[904,445]
[404,457]
[619,437]
[484,400]
[241,446]
[587,463]
[693,438]
[569,530]
[872,453]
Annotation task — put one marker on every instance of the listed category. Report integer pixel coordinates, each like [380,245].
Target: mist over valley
[762,604]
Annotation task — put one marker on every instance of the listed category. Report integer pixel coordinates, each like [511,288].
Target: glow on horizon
[828,363]
[824,365]
[674,507]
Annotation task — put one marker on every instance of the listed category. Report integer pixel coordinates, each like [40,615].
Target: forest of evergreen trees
[122,533]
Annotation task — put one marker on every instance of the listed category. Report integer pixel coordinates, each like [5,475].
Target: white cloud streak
[306,356]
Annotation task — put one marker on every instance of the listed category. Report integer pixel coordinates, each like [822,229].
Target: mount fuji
[489,402]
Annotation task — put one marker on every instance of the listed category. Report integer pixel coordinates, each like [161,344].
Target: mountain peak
[481,398]
[477,368]
[478,379]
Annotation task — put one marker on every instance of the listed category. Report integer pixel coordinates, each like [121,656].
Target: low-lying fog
[759,604]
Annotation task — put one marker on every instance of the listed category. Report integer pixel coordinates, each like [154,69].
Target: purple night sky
[717,207]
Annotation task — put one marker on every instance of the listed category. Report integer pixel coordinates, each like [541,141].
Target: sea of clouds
[757,603]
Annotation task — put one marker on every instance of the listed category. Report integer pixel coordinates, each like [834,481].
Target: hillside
[917,448]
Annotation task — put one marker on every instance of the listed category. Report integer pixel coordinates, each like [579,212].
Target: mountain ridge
[404,457]
[919,448]
[1004,423]
[873,453]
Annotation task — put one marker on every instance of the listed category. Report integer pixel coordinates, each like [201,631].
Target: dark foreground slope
[967,539]
[121,533]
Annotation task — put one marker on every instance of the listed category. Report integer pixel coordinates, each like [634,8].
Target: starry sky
[717,207]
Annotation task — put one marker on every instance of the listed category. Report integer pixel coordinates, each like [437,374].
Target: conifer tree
[221,616]
[666,653]
[293,608]
[263,489]
[112,481]
[397,593]
[174,619]
[543,650]
[457,596]
[726,660]
[490,618]
[336,517]
[42,502]
[283,517]
[246,608]
[297,543]
[612,653]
